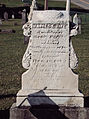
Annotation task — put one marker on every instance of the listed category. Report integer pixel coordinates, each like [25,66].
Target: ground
[16,3]
[11,50]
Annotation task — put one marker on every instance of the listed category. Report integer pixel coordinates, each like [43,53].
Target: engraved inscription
[50,46]
[62,24]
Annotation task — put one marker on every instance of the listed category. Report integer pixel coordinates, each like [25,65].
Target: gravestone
[0,21]
[79,23]
[13,16]
[5,16]
[24,17]
[49,58]
[75,19]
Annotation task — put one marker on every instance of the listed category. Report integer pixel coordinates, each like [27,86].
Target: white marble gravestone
[48,60]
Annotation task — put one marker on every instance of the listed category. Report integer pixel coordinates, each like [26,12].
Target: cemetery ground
[12,3]
[12,49]
[16,3]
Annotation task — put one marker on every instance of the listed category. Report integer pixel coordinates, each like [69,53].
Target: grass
[16,3]
[12,3]
[60,4]
[81,45]
[12,49]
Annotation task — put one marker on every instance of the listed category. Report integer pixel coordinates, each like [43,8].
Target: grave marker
[0,21]
[5,16]
[49,59]
[24,16]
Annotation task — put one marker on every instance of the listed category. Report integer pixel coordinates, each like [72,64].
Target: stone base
[62,91]
[50,97]
[49,113]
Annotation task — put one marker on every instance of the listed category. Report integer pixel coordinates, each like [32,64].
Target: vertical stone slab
[48,61]
[24,16]
[0,21]
[49,113]
[5,16]
[17,113]
[80,25]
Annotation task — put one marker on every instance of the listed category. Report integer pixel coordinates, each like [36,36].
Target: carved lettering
[49,45]
[62,24]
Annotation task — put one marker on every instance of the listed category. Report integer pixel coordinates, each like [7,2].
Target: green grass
[15,3]
[60,4]
[81,46]
[82,51]
[12,49]
[12,3]
[57,4]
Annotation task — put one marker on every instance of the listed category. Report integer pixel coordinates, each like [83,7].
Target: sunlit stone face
[50,44]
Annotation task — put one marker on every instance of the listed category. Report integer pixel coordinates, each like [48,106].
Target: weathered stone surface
[78,22]
[75,19]
[17,113]
[0,21]
[49,113]
[24,16]
[47,59]
[80,25]
[5,16]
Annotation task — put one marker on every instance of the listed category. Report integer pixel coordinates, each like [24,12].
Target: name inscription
[62,24]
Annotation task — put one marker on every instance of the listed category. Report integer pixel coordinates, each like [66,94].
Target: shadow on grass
[7,96]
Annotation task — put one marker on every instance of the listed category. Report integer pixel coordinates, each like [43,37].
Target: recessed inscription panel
[50,45]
